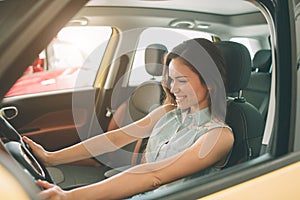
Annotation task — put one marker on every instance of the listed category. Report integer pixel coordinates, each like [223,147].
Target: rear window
[252,45]
[166,36]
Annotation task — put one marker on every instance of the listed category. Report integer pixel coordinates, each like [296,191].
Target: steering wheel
[22,152]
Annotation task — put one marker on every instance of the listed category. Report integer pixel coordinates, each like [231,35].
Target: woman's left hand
[52,192]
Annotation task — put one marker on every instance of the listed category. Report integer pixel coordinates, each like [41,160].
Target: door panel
[49,118]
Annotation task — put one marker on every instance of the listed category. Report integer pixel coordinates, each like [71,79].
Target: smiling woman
[188,139]
[186,86]
[194,134]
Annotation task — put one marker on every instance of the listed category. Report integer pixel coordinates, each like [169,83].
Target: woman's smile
[180,99]
[187,87]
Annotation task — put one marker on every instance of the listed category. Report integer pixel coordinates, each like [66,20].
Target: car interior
[60,118]
[258,89]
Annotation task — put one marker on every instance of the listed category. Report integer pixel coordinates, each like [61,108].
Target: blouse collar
[199,117]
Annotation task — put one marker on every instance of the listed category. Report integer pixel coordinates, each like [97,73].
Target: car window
[166,36]
[66,62]
[252,44]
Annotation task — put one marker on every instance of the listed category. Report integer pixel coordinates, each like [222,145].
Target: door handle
[9,112]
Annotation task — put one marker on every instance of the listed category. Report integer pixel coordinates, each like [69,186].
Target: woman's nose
[174,88]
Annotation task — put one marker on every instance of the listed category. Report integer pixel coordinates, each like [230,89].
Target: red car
[44,81]
[58,66]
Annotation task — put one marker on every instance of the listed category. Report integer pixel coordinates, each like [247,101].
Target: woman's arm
[103,143]
[210,149]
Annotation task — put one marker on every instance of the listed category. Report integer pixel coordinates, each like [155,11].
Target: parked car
[64,104]
[57,66]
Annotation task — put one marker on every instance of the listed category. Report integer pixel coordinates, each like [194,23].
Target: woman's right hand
[38,151]
[53,191]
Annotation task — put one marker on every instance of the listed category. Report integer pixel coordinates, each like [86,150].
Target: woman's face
[186,86]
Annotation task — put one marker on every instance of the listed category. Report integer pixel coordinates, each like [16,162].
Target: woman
[188,138]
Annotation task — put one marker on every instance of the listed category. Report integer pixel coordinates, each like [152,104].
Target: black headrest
[154,59]
[262,60]
[238,64]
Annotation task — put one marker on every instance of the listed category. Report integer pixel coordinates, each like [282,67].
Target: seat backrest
[149,95]
[257,91]
[144,98]
[262,60]
[244,119]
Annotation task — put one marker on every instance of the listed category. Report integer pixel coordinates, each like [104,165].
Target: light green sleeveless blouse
[175,133]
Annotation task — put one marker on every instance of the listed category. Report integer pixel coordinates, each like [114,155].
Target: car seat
[146,97]
[244,119]
[257,91]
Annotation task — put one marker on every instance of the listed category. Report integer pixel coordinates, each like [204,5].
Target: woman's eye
[182,81]
[172,81]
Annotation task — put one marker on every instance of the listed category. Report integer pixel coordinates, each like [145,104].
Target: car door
[55,107]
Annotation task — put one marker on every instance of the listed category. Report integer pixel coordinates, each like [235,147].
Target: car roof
[212,6]
[225,18]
